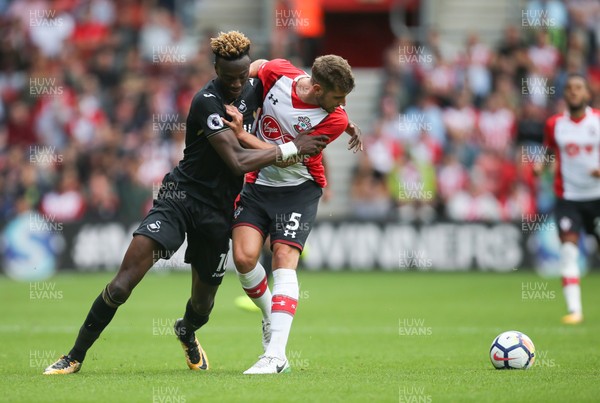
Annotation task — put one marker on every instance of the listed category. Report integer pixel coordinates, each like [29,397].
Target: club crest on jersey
[303,124]
[154,226]
[270,129]
[242,108]
[214,121]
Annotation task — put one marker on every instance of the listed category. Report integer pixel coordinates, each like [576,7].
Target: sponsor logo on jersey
[214,121]
[209,95]
[303,124]
[237,212]
[573,149]
[272,130]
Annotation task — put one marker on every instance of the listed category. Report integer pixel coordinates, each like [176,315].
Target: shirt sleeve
[549,139]
[333,125]
[208,110]
[269,72]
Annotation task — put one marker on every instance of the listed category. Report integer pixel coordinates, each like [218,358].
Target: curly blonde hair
[333,72]
[231,45]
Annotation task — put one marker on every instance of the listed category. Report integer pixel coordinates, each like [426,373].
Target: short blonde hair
[231,45]
[333,72]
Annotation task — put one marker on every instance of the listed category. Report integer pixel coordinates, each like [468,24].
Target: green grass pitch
[364,337]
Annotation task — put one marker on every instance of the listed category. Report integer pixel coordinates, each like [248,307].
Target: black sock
[97,319]
[191,322]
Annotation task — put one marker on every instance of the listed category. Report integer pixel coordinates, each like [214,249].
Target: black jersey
[202,172]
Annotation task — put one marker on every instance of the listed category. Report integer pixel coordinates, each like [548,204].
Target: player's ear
[318,89]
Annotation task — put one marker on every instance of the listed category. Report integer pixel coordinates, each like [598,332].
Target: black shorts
[573,216]
[173,214]
[285,213]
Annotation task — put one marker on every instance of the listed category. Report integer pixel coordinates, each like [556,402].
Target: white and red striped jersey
[283,117]
[576,144]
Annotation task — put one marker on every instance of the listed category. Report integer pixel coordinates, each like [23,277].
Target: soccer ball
[512,350]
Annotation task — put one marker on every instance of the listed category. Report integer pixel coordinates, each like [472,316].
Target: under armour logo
[252,293]
[273,99]
[289,233]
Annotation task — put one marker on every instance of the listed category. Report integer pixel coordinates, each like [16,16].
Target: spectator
[460,120]
[368,192]
[66,203]
[496,125]
[103,202]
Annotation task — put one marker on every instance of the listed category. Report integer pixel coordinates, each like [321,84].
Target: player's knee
[119,291]
[203,305]
[285,254]
[244,262]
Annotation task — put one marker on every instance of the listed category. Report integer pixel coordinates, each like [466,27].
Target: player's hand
[596,173]
[355,144]
[237,120]
[310,145]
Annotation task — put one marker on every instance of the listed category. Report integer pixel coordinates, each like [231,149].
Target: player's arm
[241,160]
[236,124]
[248,140]
[209,113]
[255,65]
[355,143]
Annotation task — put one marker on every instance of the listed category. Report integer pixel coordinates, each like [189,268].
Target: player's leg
[283,309]
[250,225]
[290,227]
[162,229]
[208,246]
[197,312]
[138,259]
[244,302]
[247,245]
[569,226]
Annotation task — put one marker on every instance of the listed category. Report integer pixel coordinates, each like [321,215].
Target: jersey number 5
[294,222]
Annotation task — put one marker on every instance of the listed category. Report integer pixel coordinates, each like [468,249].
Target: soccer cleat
[266,334]
[269,365]
[572,319]
[64,365]
[194,354]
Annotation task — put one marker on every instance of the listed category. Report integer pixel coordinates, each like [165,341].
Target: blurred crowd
[93,101]
[457,131]
[94,96]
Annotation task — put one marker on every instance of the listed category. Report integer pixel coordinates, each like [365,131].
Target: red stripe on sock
[569,280]
[283,304]
[259,290]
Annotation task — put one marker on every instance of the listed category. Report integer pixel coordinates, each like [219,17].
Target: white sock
[283,308]
[569,256]
[257,288]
